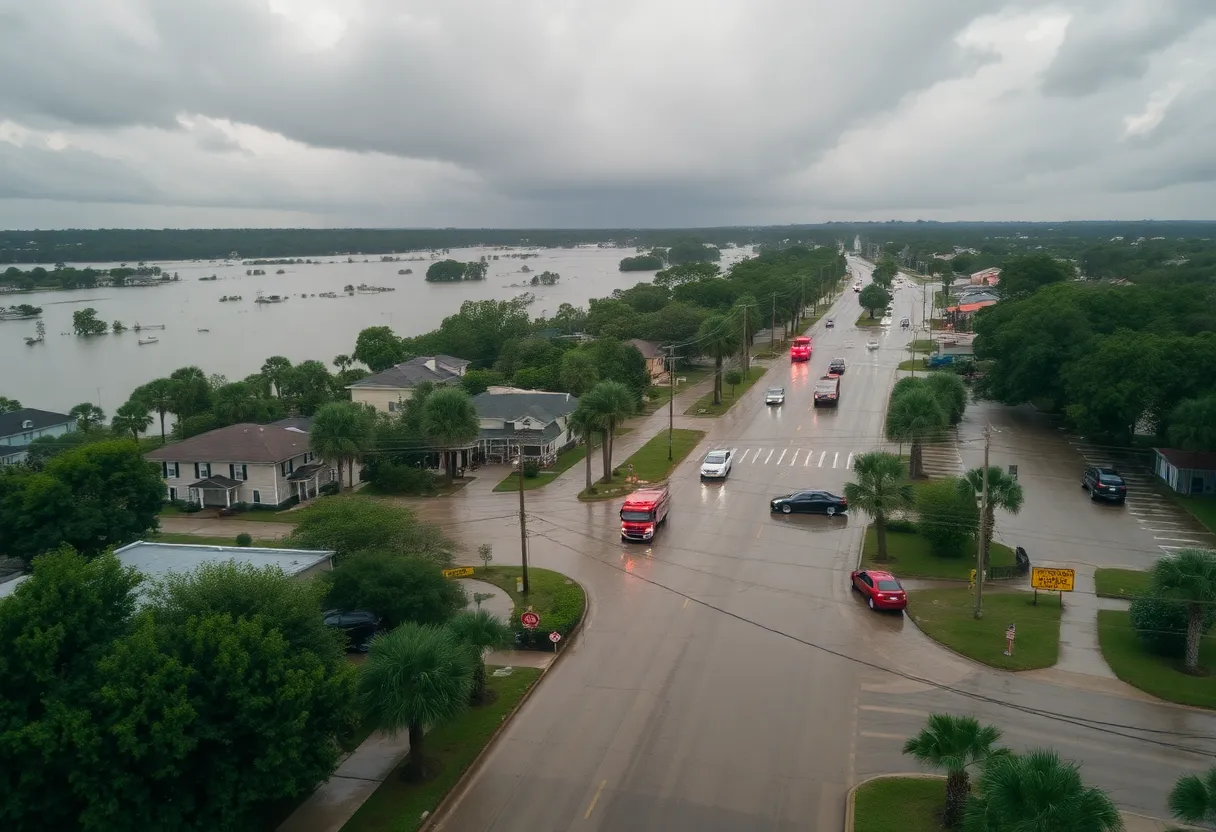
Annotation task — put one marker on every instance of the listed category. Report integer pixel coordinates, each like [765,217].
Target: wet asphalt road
[709,689]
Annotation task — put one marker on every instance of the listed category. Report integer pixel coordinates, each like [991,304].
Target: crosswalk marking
[792,457]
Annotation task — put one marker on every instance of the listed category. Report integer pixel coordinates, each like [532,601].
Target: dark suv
[359,626]
[1104,484]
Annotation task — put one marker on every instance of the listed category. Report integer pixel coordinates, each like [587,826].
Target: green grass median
[945,615]
[705,406]
[1122,583]
[650,464]
[900,804]
[1156,675]
[910,556]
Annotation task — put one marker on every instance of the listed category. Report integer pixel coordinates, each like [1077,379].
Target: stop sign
[530,620]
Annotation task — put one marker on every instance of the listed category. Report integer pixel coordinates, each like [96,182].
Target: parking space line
[783,452]
[835,459]
[848,462]
[795,457]
[821,457]
[770,455]
[809,455]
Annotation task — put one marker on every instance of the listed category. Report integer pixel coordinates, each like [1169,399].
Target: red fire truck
[801,349]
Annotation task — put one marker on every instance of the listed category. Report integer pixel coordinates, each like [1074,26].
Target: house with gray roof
[21,427]
[531,423]
[386,390]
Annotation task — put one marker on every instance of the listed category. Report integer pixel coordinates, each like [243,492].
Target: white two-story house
[531,421]
[386,390]
[21,427]
[245,463]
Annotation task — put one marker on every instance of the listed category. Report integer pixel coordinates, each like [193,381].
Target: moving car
[856,287]
[357,625]
[904,323]
[810,502]
[831,324]
[872,344]
[716,464]
[643,512]
[775,395]
[1104,484]
[836,368]
[886,320]
[827,391]
[881,589]
[801,349]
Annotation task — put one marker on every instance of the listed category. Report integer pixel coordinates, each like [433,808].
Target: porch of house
[505,450]
[215,492]
[304,482]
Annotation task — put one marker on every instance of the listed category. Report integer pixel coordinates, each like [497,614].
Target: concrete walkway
[499,604]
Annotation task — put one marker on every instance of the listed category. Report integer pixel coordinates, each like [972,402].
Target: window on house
[287,467]
[392,407]
[170,470]
[172,495]
[238,471]
[204,470]
[257,496]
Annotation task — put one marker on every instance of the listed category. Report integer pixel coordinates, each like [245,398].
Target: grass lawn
[397,805]
[210,540]
[921,345]
[915,363]
[911,557]
[650,463]
[659,395]
[565,461]
[900,804]
[866,321]
[945,615]
[705,406]
[443,488]
[1204,509]
[1121,583]
[1156,675]
[936,325]
[559,601]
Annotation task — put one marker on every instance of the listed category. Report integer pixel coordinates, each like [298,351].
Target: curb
[850,799]
[460,786]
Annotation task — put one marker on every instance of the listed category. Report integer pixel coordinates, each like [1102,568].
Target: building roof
[648,349]
[414,372]
[8,587]
[217,482]
[510,407]
[245,442]
[10,423]
[301,423]
[970,307]
[1188,460]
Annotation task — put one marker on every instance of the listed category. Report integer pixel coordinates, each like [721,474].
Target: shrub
[394,478]
[1161,625]
[531,469]
[192,508]
[563,616]
[945,518]
[329,489]
[902,526]
[244,539]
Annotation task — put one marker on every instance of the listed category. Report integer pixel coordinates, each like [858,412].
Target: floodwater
[66,370]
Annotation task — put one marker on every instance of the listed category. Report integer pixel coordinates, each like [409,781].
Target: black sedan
[810,502]
[357,625]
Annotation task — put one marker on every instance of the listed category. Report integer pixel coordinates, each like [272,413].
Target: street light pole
[523,523]
[979,549]
[671,401]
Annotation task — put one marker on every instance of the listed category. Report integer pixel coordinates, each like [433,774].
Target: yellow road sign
[458,572]
[1056,580]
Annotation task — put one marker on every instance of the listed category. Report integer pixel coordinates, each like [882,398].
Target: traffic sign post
[1052,580]
[530,620]
[458,572]
[555,637]
[1010,634]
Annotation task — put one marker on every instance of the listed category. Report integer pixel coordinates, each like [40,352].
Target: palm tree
[481,631]
[915,416]
[87,416]
[880,489]
[158,395]
[952,744]
[1193,799]
[1188,576]
[341,431]
[275,370]
[951,393]
[449,417]
[1037,791]
[585,423]
[191,391]
[343,362]
[612,402]
[1004,492]
[415,677]
[719,339]
[133,418]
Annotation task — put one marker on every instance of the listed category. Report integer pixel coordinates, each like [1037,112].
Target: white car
[716,464]
[886,320]
[871,344]
[775,395]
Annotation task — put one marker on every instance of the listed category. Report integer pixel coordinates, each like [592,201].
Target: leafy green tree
[641,263]
[348,525]
[675,323]
[131,419]
[579,373]
[242,401]
[874,297]
[416,677]
[379,348]
[734,378]
[879,490]
[1193,799]
[718,339]
[644,297]
[450,419]
[341,432]
[8,405]
[1037,790]
[953,744]
[884,272]
[947,517]
[86,322]
[445,271]
[1192,425]
[398,588]
[951,392]
[1188,576]
[1113,383]
[585,423]
[915,416]
[88,416]
[310,386]
[479,381]
[191,392]
[610,317]
[612,403]
[1004,492]
[686,273]
[481,631]
[1023,276]
[692,251]
[1161,624]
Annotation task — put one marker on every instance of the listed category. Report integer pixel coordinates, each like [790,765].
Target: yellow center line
[594,800]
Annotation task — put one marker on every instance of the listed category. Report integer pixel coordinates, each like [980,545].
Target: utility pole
[773,330]
[671,402]
[979,549]
[523,522]
[746,369]
[802,305]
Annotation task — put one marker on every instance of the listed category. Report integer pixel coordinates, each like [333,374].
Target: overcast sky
[179,113]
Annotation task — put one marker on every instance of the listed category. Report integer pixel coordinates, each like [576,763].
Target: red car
[881,589]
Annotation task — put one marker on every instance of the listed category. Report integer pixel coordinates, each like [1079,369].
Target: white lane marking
[1177,539]
[1180,531]
[795,457]
[835,459]
[783,452]
[821,457]
[849,462]
[809,456]
[770,455]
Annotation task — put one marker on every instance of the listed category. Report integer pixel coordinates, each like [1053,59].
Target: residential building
[986,277]
[513,419]
[244,463]
[656,361]
[156,560]
[21,427]
[387,390]
[1187,472]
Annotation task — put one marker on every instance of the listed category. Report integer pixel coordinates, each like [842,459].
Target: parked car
[1104,484]
[836,367]
[881,590]
[810,502]
[716,464]
[775,395]
[357,625]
